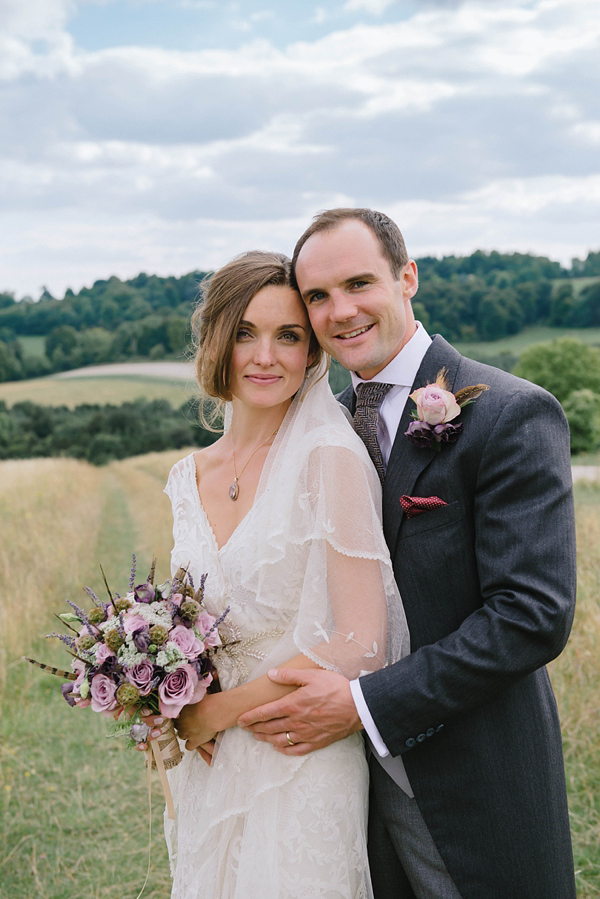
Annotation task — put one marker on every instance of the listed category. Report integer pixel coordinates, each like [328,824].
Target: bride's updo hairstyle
[224,298]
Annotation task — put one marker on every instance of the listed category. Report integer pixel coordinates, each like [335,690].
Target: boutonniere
[436,410]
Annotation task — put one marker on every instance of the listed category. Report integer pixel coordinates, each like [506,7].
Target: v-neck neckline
[203,513]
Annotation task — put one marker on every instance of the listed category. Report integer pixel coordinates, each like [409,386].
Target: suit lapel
[407,461]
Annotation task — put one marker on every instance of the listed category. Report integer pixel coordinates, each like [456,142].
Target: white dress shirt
[401,373]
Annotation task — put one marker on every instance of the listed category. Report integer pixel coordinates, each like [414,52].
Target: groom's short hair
[385,230]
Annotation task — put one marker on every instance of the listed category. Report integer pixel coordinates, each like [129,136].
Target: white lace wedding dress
[306,570]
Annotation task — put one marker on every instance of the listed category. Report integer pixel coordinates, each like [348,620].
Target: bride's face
[272,348]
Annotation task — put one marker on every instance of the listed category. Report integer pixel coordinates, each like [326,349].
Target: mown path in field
[74,807]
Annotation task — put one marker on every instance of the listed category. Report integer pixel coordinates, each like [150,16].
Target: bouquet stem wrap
[164,752]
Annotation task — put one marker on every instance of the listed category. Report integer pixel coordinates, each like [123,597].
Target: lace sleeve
[350,617]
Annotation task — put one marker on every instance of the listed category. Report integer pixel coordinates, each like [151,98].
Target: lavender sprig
[93,597]
[83,618]
[64,638]
[133,570]
[219,621]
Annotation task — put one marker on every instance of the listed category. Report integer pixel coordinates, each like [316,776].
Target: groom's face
[360,313]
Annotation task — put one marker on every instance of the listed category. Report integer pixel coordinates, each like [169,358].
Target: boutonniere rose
[436,410]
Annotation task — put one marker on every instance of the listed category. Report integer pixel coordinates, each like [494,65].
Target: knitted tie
[369,397]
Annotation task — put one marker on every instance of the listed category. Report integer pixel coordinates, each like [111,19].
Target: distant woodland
[483,296]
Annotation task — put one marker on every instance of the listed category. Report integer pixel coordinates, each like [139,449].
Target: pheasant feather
[57,671]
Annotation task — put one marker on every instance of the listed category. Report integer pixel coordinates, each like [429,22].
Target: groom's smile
[360,313]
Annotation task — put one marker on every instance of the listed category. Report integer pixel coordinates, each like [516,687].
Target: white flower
[171,657]
[128,655]
[155,613]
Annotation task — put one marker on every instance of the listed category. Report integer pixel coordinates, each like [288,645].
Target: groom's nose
[342,306]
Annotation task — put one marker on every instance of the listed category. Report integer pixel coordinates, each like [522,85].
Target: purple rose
[133,622]
[447,433]
[187,641]
[103,691]
[67,690]
[103,653]
[141,639]
[141,675]
[180,687]
[420,433]
[144,592]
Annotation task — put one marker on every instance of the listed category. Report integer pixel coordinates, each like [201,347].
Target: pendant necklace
[234,490]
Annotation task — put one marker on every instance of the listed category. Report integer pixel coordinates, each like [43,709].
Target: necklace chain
[234,490]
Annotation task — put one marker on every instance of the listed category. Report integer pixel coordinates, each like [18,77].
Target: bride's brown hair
[224,297]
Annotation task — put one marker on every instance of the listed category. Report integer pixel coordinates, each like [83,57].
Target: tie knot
[371,393]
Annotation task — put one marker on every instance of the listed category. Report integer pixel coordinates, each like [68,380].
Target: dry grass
[575,677]
[73,819]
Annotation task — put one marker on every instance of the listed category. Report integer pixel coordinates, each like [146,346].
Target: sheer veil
[320,500]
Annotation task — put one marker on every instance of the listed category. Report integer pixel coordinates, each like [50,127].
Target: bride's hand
[194,724]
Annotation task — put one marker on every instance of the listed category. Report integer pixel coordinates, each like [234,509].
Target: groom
[468,792]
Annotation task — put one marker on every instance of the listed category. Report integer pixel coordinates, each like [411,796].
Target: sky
[169,135]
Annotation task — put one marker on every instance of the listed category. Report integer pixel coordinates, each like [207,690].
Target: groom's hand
[315,715]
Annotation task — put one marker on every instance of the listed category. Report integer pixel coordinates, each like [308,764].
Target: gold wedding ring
[289,739]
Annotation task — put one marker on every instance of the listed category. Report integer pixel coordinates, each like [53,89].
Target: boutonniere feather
[436,410]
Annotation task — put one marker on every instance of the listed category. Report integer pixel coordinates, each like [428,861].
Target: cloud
[462,117]
[375,7]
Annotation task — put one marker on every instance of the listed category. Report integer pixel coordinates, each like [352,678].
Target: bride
[283,515]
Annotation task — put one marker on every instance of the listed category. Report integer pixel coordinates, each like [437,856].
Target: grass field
[519,342]
[72,392]
[74,804]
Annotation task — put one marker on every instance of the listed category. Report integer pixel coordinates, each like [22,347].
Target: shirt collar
[402,370]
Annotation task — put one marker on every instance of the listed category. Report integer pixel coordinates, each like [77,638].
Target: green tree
[561,306]
[582,409]
[561,366]
[63,338]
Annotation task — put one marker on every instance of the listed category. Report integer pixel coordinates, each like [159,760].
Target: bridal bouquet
[149,649]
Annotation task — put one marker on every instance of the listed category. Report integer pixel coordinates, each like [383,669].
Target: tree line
[99,433]
[483,296]
[568,368]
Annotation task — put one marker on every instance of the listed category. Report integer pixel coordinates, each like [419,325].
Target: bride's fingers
[272,726]
[296,749]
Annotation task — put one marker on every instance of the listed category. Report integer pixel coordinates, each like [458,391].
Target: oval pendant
[234,491]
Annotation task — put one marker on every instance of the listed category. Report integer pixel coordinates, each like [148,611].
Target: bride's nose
[264,353]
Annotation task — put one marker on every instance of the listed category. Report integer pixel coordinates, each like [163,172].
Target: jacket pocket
[434,518]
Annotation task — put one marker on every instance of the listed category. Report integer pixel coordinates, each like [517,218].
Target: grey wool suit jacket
[488,585]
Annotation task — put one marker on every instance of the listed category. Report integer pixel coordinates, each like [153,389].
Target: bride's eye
[290,336]
[242,334]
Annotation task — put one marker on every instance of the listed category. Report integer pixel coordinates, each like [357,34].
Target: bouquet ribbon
[164,752]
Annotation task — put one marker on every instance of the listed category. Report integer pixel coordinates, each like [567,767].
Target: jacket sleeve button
[430,731]
[411,742]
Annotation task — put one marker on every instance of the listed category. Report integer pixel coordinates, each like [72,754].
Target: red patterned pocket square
[416,505]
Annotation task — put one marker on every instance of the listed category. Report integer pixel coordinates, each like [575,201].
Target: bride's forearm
[225,708]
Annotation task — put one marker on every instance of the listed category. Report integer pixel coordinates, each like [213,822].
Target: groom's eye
[317,296]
